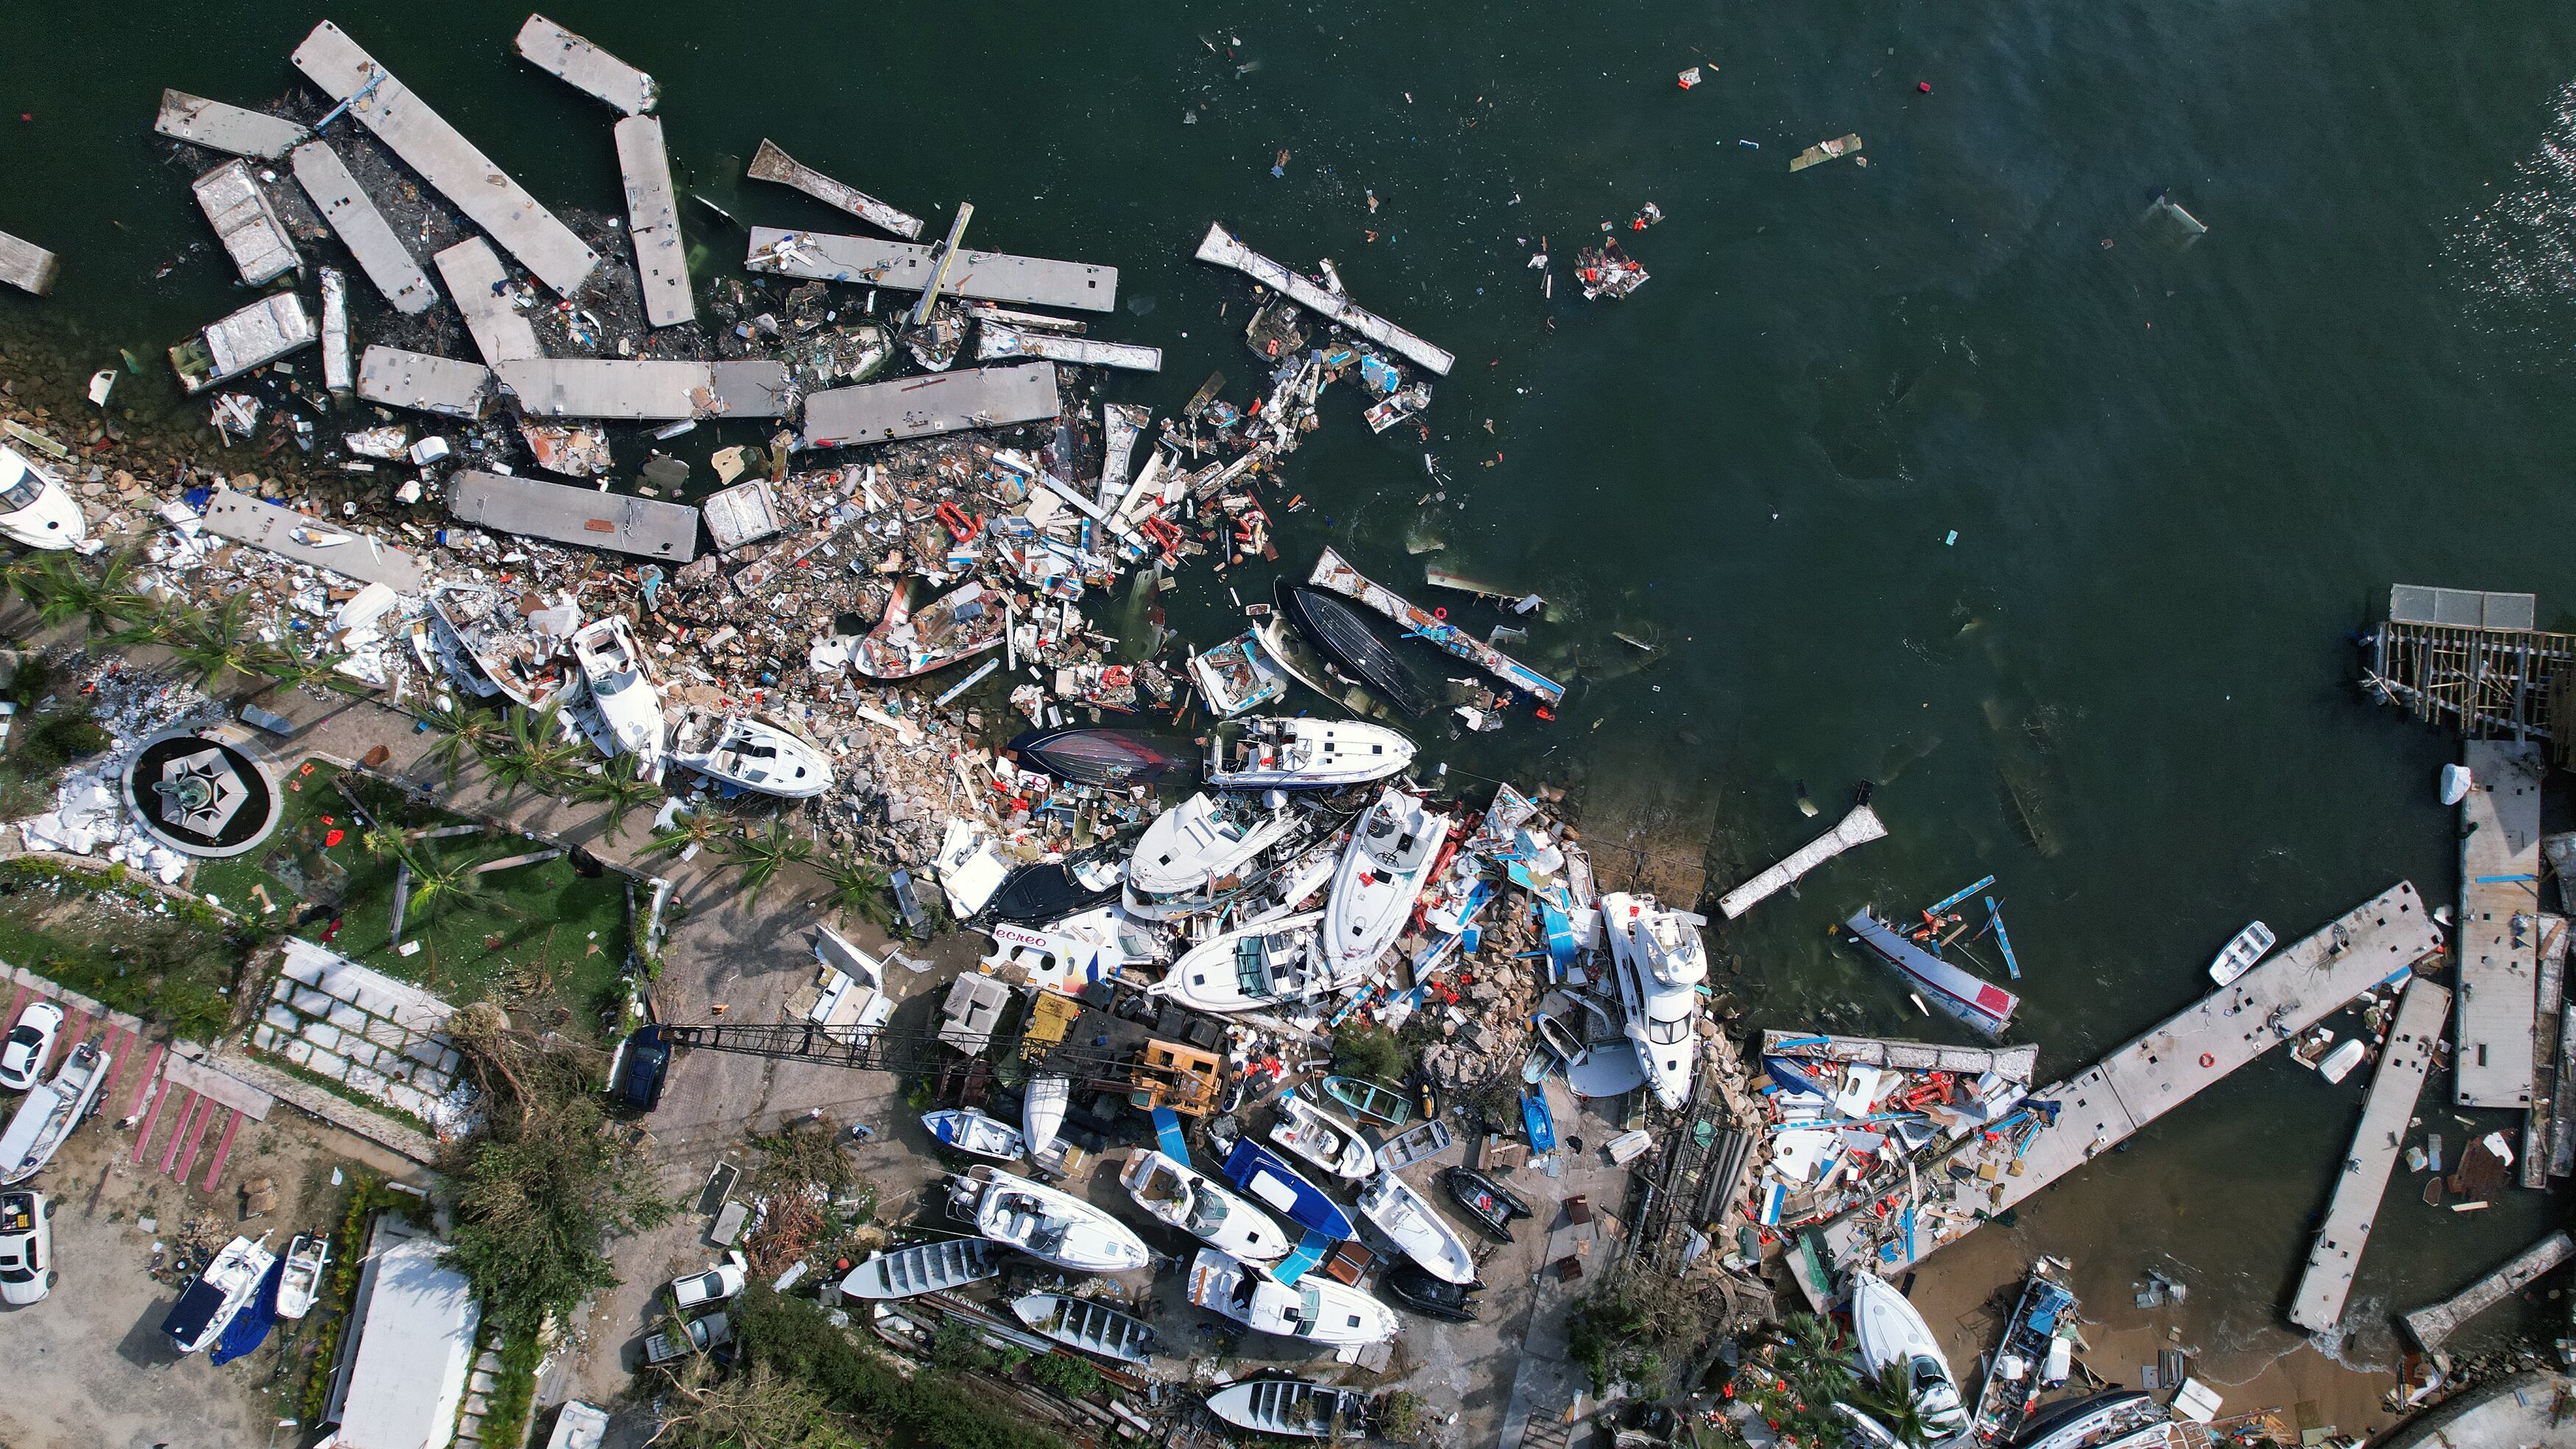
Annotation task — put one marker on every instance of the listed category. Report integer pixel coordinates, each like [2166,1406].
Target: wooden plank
[197,1137]
[27,266]
[206,1081]
[160,1092]
[189,1109]
[223,1150]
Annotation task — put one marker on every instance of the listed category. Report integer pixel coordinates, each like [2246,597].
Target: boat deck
[363,229]
[1224,249]
[2408,1056]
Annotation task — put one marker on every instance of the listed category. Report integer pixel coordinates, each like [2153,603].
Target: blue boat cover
[1302,1259]
[249,1328]
[1541,1125]
[1167,1130]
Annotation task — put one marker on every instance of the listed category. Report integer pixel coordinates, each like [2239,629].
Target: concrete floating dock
[585,67]
[580,387]
[1860,827]
[476,280]
[919,407]
[247,225]
[337,375]
[773,164]
[2432,1327]
[446,160]
[653,222]
[906,267]
[229,129]
[363,229]
[2142,1080]
[2548,1085]
[2404,1061]
[997,342]
[424,382]
[305,539]
[1221,247]
[585,517]
[2499,930]
[2018,1063]
[27,266]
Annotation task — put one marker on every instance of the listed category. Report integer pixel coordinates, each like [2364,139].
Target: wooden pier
[2471,661]
[2499,926]
[2140,1081]
[920,407]
[773,164]
[907,266]
[446,160]
[423,382]
[585,67]
[2432,1327]
[1860,827]
[1225,250]
[2405,1059]
[653,222]
[363,229]
[229,129]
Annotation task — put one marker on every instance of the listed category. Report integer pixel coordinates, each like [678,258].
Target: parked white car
[35,508]
[712,1286]
[30,1043]
[703,1334]
[26,1247]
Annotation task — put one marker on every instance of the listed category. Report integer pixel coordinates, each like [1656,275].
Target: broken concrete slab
[27,266]
[585,67]
[424,382]
[363,229]
[906,267]
[998,341]
[226,128]
[246,224]
[653,222]
[479,285]
[585,517]
[773,164]
[918,407]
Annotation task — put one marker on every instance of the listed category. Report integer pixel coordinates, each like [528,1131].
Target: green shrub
[1369,1051]
[1072,1377]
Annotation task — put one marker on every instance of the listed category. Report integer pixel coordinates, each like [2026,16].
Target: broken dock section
[773,164]
[2472,661]
[1221,247]
[1334,572]
[1860,827]
[821,256]
[229,129]
[585,67]
[2385,1111]
[2432,1327]
[920,407]
[653,222]
[27,266]
[998,342]
[362,228]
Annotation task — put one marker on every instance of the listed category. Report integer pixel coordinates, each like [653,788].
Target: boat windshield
[1666,1033]
[20,485]
[1252,966]
[1207,1214]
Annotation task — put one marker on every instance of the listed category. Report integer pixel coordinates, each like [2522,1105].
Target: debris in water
[1824,151]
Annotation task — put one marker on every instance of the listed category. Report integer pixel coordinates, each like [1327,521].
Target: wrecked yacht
[972,1132]
[493,644]
[1304,754]
[1186,1198]
[1193,856]
[1890,1333]
[1322,1139]
[1981,1006]
[1392,851]
[1250,968]
[1052,890]
[1342,634]
[1314,1307]
[959,624]
[755,754]
[1268,1178]
[1114,758]
[36,511]
[1048,1225]
[1658,959]
[624,715]
[1407,1218]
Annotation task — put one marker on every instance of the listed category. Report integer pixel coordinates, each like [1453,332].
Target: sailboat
[1408,1219]
[1266,753]
[1186,1198]
[1343,635]
[1658,961]
[1054,1227]
[1891,1334]
[1250,968]
[625,713]
[1390,857]
[1314,1308]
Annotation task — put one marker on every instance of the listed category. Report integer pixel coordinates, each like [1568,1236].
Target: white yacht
[625,714]
[1889,1332]
[1188,1199]
[36,510]
[1390,857]
[1322,1139]
[1052,1226]
[1314,1308]
[1268,753]
[755,754]
[1407,1218]
[1657,959]
[1253,967]
[1195,854]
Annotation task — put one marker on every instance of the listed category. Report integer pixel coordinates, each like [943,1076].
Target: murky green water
[2178,476]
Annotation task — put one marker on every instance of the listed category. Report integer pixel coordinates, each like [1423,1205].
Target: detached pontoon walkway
[1860,827]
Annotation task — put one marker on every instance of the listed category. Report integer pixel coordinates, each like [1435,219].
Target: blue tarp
[249,1328]
[1167,1130]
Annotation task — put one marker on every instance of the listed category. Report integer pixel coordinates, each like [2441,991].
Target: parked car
[705,1333]
[648,1061]
[712,1286]
[31,1041]
[26,1247]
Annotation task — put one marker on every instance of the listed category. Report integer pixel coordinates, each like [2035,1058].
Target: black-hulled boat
[1485,1201]
[1055,890]
[1333,626]
[1432,1297]
[1116,758]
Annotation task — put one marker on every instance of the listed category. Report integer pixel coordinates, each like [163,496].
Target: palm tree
[438,882]
[1889,1399]
[533,752]
[464,735]
[289,663]
[763,854]
[858,887]
[621,786]
[1815,1366]
[212,643]
[698,825]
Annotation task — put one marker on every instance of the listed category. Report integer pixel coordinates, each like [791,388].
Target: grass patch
[542,929]
[124,944]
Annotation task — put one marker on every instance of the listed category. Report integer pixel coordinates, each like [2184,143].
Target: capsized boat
[1042,1104]
[971,1131]
[2241,953]
[965,621]
[1661,1013]
[1342,634]
[1186,1198]
[1251,968]
[1322,1139]
[1410,1222]
[1370,1101]
[1291,1408]
[1429,1294]
[1289,650]
[1981,1006]
[924,1268]
[1392,850]
[1267,1179]
[1109,758]
[49,1112]
[1314,1308]
[1052,890]
[1236,676]
[1196,854]
[1270,753]
[1891,1334]
[625,714]
[1487,1203]
[756,754]
[224,1289]
[36,510]
[1086,1324]
[1054,1227]
[301,1283]
[1538,1121]
[515,645]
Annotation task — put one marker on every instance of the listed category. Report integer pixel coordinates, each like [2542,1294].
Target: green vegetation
[514,1392]
[46,736]
[1794,1375]
[1068,1375]
[858,887]
[330,1314]
[1404,1416]
[121,942]
[1370,1051]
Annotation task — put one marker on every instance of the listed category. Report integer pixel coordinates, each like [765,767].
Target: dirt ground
[89,1367]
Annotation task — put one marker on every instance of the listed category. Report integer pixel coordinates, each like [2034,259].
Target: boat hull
[1267,1179]
[1341,634]
[1411,1223]
[923,1268]
[1392,851]
[1981,1006]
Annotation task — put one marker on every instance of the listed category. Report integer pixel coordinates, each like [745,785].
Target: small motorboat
[1558,1048]
[36,510]
[1392,850]
[1186,1198]
[1980,1006]
[1042,1105]
[924,1268]
[625,714]
[1250,968]
[1051,1226]
[1538,1121]
[908,641]
[758,755]
[301,1283]
[1314,1308]
[2105,1419]
[1342,634]
[1113,759]
[1421,1141]
[1656,988]
[1086,1324]
[2248,947]
[1195,855]
[224,1289]
[1292,1408]
[2338,1064]
[1370,1101]
[1055,889]
[1322,1139]
[971,1131]
[1890,1334]
[1430,1295]
[1236,675]
[898,1330]
[1267,1179]
[49,1112]
[1400,1211]
[1485,1201]
[1304,754]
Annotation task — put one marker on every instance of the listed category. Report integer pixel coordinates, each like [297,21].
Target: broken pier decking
[2432,1327]
[906,267]
[446,160]
[2499,930]
[653,222]
[229,129]
[305,539]
[246,224]
[999,342]
[1223,248]
[1334,572]
[363,229]
[2471,661]
[1860,827]
[2404,1061]
[2145,1078]
[423,382]
[584,517]
[642,390]
[919,407]
[585,67]
[27,266]
[476,280]
[773,164]
[2017,1063]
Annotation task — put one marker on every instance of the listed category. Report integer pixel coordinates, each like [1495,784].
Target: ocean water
[1961,471]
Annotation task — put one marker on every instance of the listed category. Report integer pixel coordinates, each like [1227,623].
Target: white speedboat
[1890,1333]
[1267,753]
[49,1112]
[36,510]
[972,1132]
[1314,1308]
[1661,1015]
[1322,1139]
[301,1283]
[1196,854]
[1390,857]
[2241,953]
[1292,1408]
[1054,1227]
[756,754]
[625,714]
[1188,1199]
[1407,1218]
[224,1289]
[1251,968]
[1042,1104]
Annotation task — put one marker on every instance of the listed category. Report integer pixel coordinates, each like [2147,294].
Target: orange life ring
[2207,1060]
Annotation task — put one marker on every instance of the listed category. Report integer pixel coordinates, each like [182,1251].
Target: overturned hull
[1338,631]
